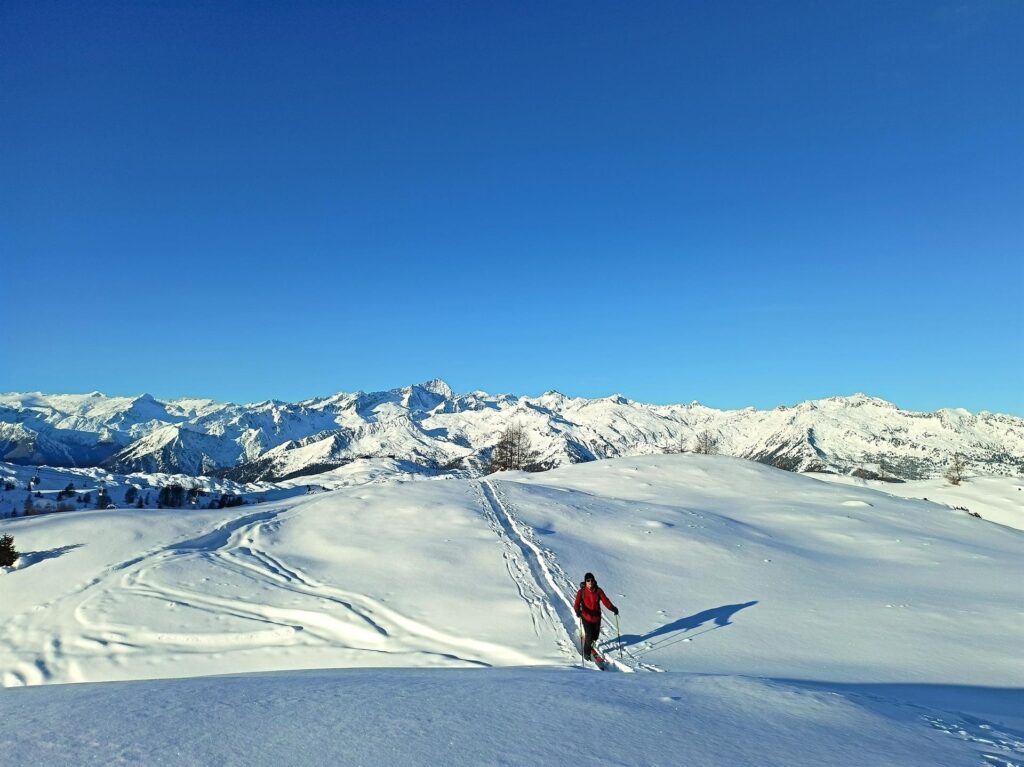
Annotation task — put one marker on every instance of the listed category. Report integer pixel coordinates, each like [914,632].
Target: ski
[595,657]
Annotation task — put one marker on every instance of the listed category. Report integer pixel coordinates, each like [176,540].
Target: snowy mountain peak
[552,399]
[439,387]
[860,399]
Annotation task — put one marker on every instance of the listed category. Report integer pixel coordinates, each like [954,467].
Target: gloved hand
[579,613]
[615,610]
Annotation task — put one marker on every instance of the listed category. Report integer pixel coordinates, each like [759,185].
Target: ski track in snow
[995,742]
[999,745]
[541,582]
[47,649]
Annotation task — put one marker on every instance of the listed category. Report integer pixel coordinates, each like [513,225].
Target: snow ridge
[436,430]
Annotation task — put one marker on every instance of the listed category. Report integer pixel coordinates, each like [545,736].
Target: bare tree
[679,446]
[513,450]
[955,472]
[707,443]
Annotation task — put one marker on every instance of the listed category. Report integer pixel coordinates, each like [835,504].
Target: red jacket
[588,603]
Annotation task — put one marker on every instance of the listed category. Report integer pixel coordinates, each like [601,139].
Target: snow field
[288,585]
[996,499]
[771,573]
[891,627]
[465,717]
[718,564]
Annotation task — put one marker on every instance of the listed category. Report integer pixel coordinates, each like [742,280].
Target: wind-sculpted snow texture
[467,718]
[432,429]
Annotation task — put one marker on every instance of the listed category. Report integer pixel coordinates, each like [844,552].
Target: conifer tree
[8,554]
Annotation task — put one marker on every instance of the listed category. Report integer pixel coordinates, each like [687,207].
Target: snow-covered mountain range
[429,426]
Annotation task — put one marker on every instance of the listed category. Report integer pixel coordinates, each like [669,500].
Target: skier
[588,608]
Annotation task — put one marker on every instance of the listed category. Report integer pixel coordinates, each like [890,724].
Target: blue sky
[743,203]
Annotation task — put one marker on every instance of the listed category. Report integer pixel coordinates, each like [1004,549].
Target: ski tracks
[525,570]
[541,582]
[204,600]
[220,600]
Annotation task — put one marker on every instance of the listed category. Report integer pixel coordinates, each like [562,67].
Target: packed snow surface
[462,717]
[891,627]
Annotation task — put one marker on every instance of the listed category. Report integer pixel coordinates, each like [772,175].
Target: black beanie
[589,577]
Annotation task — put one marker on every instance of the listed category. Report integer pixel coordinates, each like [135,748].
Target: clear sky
[744,203]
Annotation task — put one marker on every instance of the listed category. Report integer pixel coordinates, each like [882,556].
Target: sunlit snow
[890,627]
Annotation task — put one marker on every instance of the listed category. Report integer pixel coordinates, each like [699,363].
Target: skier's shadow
[719,616]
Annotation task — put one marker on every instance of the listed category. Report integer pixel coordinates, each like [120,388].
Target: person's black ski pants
[590,632]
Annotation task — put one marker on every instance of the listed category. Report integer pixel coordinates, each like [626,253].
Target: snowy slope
[429,425]
[503,716]
[766,572]
[397,574]
[86,483]
[177,450]
[998,499]
[891,627]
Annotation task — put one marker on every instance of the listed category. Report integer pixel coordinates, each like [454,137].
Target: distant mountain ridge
[431,426]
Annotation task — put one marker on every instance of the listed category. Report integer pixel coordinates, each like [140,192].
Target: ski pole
[583,658]
[618,635]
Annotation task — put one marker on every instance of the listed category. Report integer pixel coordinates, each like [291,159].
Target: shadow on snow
[27,558]
[718,616]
